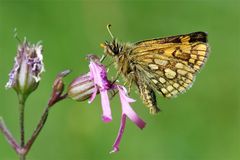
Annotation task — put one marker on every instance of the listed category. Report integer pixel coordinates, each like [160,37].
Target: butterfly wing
[170,64]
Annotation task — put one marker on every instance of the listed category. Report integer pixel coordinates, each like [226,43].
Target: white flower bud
[25,75]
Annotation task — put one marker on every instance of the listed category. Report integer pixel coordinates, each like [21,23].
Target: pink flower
[97,82]
[127,111]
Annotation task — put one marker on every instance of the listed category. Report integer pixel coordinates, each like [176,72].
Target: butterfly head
[112,48]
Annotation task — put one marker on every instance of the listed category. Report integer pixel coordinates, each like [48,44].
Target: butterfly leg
[130,81]
[130,86]
[113,94]
[115,79]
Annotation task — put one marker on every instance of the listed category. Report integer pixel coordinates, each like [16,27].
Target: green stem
[22,99]
[21,122]
[22,157]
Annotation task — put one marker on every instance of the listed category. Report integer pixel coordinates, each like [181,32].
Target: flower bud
[81,88]
[25,75]
[58,87]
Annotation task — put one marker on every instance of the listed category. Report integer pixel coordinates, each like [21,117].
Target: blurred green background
[202,124]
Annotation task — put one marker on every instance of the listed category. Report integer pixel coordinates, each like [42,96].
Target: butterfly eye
[115,47]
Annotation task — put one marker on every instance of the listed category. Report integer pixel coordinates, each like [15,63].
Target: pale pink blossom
[97,77]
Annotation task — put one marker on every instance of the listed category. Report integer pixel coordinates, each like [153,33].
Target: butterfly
[166,65]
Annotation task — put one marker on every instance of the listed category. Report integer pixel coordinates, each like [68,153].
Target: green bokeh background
[202,124]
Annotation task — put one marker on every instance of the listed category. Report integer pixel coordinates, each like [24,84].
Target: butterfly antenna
[109,31]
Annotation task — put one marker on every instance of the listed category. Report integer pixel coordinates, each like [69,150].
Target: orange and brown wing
[170,64]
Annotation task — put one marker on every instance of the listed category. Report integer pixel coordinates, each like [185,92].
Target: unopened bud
[81,88]
[58,87]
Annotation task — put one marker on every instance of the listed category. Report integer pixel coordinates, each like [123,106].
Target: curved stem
[11,140]
[37,130]
[42,121]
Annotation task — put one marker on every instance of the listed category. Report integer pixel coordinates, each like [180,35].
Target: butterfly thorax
[120,53]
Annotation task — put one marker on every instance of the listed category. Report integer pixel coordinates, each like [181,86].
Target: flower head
[96,81]
[25,75]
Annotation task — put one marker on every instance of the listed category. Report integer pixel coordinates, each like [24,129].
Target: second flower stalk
[24,78]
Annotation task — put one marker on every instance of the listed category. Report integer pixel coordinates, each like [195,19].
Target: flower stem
[22,157]
[42,121]
[21,120]
[22,99]
[38,129]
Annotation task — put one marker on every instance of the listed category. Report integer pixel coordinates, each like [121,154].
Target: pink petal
[99,74]
[120,133]
[134,117]
[123,91]
[107,116]
[93,70]
[126,108]
[126,111]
